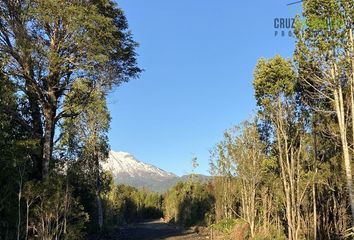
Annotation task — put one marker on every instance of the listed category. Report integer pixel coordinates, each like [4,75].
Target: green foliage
[7,163]
[230,228]
[188,203]
[85,143]
[87,129]
[271,233]
[16,146]
[225,226]
[52,211]
[58,60]
[273,78]
[125,204]
[47,47]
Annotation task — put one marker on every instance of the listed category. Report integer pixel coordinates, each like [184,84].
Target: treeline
[126,204]
[287,172]
[189,203]
[58,62]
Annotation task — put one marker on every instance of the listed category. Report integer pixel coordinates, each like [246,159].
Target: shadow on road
[154,230]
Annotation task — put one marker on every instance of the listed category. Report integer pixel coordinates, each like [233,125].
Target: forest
[284,173]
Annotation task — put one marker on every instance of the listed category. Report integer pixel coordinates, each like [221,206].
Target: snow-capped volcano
[123,163]
[126,169]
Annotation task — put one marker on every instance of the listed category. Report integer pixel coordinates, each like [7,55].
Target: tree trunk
[99,208]
[98,186]
[289,154]
[339,105]
[19,209]
[314,184]
[49,128]
[34,101]
[27,215]
[351,81]
[314,212]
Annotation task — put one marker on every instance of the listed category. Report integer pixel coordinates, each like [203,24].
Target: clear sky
[198,57]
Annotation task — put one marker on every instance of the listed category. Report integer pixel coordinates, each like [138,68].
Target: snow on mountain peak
[123,163]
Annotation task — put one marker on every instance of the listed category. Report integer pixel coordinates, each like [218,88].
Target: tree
[224,184]
[188,203]
[51,210]
[274,83]
[85,139]
[16,145]
[50,45]
[324,56]
[248,153]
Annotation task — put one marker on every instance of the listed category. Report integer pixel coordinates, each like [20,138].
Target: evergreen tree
[50,45]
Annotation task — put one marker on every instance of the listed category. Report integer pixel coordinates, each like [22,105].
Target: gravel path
[155,230]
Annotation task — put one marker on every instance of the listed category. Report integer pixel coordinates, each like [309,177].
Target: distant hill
[126,169]
[200,177]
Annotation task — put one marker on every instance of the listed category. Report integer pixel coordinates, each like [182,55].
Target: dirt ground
[155,230]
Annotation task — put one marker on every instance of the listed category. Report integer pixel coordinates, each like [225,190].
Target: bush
[269,233]
[52,212]
[188,203]
[224,226]
[235,229]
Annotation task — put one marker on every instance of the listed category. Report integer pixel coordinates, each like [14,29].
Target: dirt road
[155,230]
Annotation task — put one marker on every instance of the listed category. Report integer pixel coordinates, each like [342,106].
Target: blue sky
[198,57]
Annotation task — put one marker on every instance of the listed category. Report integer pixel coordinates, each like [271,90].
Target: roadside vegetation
[285,173]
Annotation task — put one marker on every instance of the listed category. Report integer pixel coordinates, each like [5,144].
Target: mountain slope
[126,169]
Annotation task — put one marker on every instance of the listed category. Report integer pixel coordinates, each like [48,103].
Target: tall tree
[85,139]
[274,83]
[324,56]
[243,149]
[248,153]
[49,45]
[224,184]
